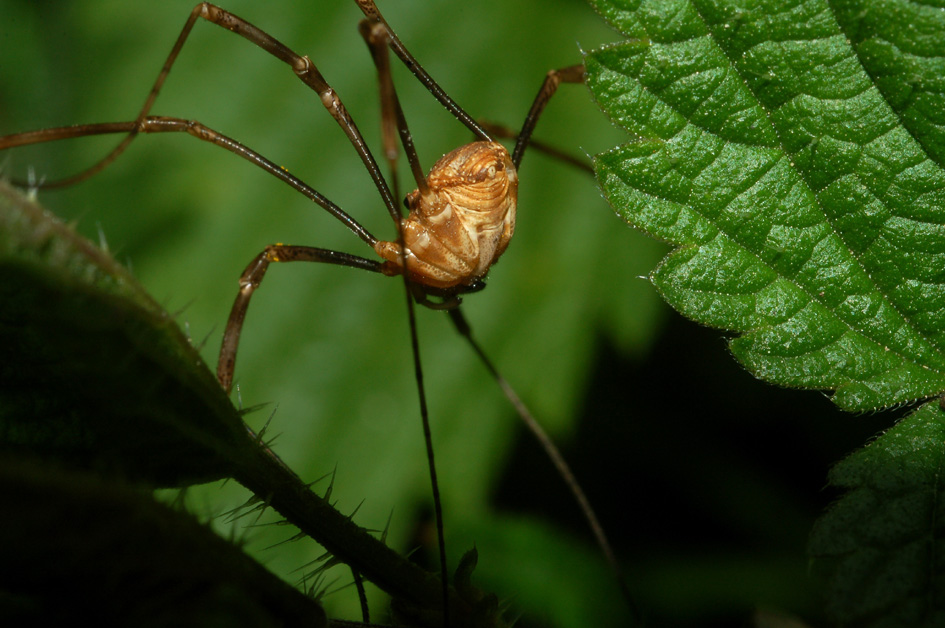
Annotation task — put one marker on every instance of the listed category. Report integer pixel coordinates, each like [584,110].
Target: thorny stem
[339,535]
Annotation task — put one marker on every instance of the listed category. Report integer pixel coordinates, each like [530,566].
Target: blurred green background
[709,511]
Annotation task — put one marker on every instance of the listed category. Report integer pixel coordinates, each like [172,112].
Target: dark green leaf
[93,372]
[880,548]
[793,153]
[97,375]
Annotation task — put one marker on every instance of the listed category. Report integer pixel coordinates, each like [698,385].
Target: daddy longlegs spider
[363,123]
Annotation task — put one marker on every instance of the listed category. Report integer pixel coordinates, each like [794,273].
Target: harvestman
[460,219]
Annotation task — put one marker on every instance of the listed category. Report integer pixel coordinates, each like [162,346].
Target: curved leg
[251,279]
[304,69]
[165,124]
[572,74]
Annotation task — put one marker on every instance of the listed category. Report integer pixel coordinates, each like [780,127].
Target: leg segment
[377,37]
[504,132]
[373,15]
[572,74]
[164,124]
[249,282]
[304,69]
[309,74]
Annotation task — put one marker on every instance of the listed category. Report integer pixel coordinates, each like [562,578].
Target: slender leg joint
[302,66]
[254,273]
[570,74]
[224,18]
[375,33]
[333,104]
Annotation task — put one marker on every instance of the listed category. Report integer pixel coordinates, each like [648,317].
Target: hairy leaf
[97,376]
[793,154]
[809,218]
[881,547]
[93,371]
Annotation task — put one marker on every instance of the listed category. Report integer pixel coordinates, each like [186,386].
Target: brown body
[462,224]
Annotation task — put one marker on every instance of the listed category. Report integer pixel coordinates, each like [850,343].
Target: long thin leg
[504,132]
[362,596]
[373,14]
[428,441]
[253,276]
[164,124]
[459,321]
[385,89]
[572,74]
[377,37]
[304,69]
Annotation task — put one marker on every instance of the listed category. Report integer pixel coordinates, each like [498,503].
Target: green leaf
[93,371]
[809,217]
[900,47]
[880,548]
[793,154]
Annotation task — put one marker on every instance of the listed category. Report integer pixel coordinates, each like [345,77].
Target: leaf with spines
[94,373]
[809,218]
